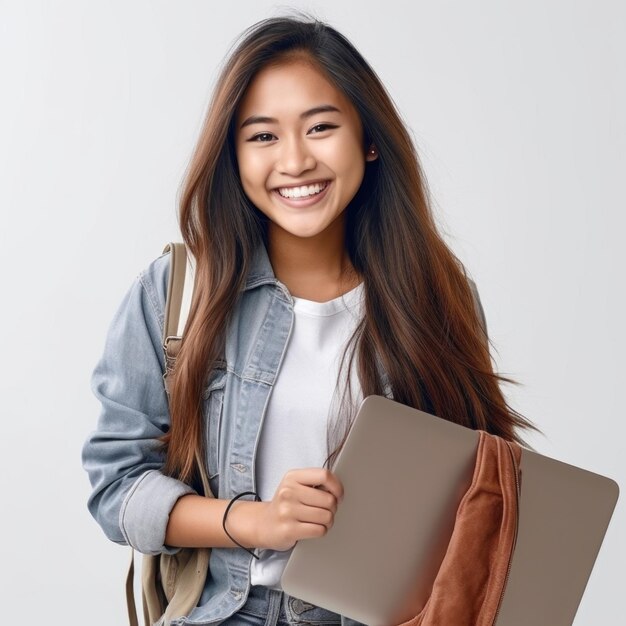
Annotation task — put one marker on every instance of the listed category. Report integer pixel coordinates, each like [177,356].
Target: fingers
[319,498]
[319,478]
[314,515]
[312,530]
[304,505]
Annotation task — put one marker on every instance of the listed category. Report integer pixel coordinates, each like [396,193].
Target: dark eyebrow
[261,119]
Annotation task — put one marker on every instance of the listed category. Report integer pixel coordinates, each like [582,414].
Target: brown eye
[256,137]
[323,127]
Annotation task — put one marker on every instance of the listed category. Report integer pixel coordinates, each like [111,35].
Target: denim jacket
[131,498]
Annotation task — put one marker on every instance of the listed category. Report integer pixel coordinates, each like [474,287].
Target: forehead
[283,91]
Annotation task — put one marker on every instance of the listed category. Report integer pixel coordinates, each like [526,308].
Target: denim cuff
[146,510]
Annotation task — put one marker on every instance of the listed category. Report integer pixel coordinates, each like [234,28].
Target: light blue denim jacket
[131,498]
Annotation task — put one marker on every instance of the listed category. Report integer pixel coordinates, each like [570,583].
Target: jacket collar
[261,270]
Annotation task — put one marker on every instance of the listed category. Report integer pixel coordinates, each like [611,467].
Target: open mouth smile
[303,196]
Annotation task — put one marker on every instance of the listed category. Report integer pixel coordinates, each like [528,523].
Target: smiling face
[299,146]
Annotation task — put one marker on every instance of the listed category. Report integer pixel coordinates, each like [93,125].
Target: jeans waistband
[292,610]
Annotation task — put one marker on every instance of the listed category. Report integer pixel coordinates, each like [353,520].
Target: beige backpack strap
[179,290]
[203,477]
[178,302]
[130,594]
[177,305]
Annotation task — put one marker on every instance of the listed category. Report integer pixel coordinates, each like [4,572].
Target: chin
[304,234]
[300,230]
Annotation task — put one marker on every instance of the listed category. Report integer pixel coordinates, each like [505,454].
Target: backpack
[171,584]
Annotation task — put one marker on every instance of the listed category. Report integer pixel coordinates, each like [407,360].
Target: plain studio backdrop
[517,110]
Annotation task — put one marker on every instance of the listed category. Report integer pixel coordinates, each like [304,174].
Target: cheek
[251,169]
[252,191]
[351,167]
[347,156]
[245,172]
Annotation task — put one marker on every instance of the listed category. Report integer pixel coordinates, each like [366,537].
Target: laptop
[404,473]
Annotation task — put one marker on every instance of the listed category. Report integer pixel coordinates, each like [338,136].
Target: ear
[372,153]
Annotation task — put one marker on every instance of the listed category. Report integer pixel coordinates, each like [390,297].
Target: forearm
[196,522]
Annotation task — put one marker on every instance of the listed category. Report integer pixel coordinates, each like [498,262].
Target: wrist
[241,523]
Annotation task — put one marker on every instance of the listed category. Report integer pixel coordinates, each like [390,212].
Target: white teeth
[301,192]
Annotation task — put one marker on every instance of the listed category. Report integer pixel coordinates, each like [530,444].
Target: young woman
[321,279]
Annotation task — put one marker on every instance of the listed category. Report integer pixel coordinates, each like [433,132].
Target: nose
[295,156]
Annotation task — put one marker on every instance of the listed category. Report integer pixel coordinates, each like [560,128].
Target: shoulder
[473,287]
[477,303]
[134,336]
[154,279]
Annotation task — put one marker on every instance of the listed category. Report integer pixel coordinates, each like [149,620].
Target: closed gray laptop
[404,473]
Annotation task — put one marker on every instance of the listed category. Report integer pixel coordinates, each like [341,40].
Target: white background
[517,109]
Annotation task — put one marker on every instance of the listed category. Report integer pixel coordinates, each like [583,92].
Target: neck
[316,268]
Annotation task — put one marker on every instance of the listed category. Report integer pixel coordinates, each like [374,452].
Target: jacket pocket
[214,407]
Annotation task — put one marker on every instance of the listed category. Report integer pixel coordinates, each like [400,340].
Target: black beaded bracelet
[256,499]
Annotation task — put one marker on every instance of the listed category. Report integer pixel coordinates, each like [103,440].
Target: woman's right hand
[303,506]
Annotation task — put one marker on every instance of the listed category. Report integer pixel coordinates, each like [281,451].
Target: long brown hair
[420,320]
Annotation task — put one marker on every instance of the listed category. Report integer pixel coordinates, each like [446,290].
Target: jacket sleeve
[131,498]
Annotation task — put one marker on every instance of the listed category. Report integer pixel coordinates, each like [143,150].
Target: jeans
[271,607]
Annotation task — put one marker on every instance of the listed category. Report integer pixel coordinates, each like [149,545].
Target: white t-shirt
[293,433]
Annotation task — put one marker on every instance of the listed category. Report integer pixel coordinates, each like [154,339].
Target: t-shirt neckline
[347,300]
